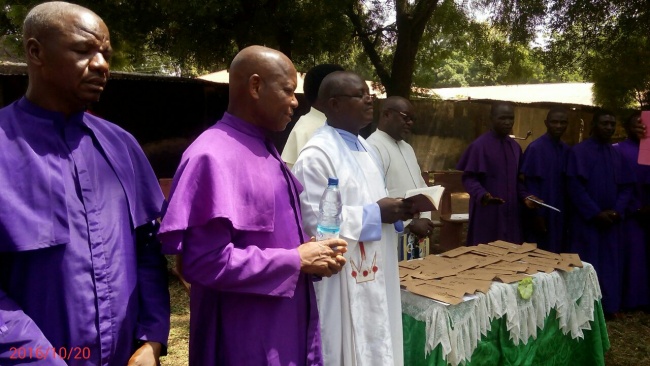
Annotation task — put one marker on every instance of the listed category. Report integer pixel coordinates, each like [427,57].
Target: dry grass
[629,334]
[180,323]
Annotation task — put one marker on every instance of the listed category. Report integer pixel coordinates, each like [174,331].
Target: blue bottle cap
[331,181]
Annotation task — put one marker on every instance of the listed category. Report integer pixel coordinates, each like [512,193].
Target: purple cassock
[72,274]
[234,214]
[491,164]
[636,237]
[599,179]
[543,165]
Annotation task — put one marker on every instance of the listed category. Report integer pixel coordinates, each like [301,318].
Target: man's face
[503,118]
[76,59]
[556,124]
[277,98]
[355,104]
[400,120]
[604,128]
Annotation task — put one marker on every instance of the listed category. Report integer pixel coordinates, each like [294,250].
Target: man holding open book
[400,166]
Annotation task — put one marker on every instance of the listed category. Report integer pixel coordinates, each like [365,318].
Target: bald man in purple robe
[490,168]
[542,169]
[82,276]
[234,214]
[636,224]
[600,184]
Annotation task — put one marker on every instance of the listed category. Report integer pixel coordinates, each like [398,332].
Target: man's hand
[639,129]
[488,199]
[394,209]
[147,355]
[607,218]
[530,204]
[421,227]
[322,258]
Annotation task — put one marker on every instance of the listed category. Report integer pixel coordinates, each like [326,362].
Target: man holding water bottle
[359,308]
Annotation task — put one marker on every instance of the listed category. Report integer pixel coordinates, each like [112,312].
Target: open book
[425,199]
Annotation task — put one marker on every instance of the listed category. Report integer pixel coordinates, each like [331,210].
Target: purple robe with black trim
[72,275]
[542,166]
[599,179]
[234,214]
[635,236]
[491,164]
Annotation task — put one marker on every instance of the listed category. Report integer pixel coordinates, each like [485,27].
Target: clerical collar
[45,114]
[350,139]
[243,126]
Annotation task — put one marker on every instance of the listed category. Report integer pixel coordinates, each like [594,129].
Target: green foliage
[606,40]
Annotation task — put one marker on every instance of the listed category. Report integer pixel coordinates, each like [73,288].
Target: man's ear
[254,85]
[34,51]
[332,104]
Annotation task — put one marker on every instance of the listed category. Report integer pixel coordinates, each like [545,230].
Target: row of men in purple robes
[582,182]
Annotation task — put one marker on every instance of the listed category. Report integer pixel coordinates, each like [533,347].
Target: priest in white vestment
[399,164]
[304,129]
[360,308]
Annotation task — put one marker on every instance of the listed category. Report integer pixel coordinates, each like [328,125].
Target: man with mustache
[360,307]
[82,278]
[234,214]
[600,185]
[490,168]
[542,169]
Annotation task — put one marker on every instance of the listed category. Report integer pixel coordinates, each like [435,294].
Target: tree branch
[368,46]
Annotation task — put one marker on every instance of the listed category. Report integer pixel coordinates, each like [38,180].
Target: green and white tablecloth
[561,324]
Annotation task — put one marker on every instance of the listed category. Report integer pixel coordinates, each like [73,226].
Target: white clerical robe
[360,308]
[300,134]
[400,165]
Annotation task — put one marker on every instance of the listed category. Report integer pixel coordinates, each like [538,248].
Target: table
[561,324]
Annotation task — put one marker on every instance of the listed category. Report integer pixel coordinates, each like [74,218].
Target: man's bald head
[262,84]
[49,18]
[347,101]
[397,117]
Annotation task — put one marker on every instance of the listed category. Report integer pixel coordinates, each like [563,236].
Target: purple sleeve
[534,186]
[473,186]
[17,330]
[624,201]
[581,200]
[211,259]
[154,309]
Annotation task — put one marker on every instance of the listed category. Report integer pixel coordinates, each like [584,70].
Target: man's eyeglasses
[363,96]
[405,117]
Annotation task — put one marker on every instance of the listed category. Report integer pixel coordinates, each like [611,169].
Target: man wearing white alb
[400,166]
[360,309]
[310,122]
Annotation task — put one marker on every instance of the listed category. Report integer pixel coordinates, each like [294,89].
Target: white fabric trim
[459,328]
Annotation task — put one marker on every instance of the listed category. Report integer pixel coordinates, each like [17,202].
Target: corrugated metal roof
[564,93]
[222,77]
[10,68]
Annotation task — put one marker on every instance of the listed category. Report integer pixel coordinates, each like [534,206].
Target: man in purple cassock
[542,169]
[234,214]
[82,277]
[636,224]
[490,168]
[599,185]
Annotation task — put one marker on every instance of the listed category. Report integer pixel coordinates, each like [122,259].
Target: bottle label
[323,232]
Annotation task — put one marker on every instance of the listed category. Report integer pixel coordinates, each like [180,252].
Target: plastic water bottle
[329,212]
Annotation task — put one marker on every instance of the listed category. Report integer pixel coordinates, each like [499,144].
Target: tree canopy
[402,43]
[606,40]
